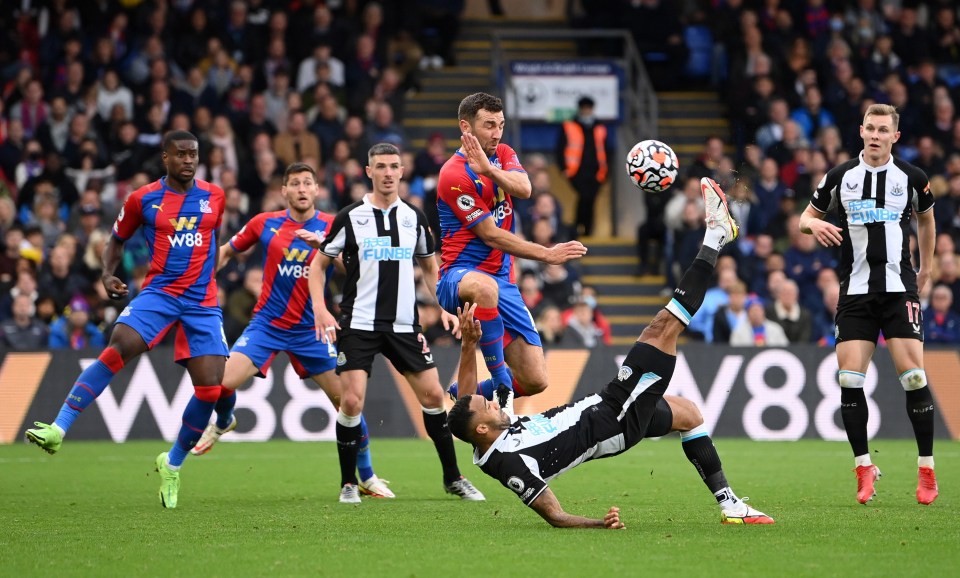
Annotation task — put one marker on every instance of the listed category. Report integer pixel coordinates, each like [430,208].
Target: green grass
[259,509]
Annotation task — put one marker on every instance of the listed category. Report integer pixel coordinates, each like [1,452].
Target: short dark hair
[175,135]
[382,148]
[585,101]
[296,168]
[471,105]
[459,418]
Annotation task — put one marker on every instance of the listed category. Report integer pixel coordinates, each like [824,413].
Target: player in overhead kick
[525,452]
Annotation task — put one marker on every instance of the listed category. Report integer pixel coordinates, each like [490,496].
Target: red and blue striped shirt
[181,232]
[285,299]
[465,198]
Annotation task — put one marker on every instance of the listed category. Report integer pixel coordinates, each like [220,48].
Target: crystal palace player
[875,196]
[477,228]
[181,217]
[283,317]
[525,452]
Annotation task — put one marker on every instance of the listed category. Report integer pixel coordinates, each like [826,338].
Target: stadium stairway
[434,107]
[628,301]
[687,119]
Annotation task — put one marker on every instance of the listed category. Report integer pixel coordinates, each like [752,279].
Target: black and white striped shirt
[378,248]
[537,448]
[875,205]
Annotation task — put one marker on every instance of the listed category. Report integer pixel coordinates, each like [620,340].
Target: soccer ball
[652,166]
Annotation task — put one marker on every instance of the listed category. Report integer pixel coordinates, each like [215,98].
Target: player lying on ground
[525,452]
[283,317]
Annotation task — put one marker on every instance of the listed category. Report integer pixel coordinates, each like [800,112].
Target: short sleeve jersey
[181,234]
[465,198]
[875,206]
[285,299]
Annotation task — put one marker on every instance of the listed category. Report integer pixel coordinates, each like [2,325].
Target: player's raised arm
[507,242]
[324,321]
[549,509]
[470,333]
[514,183]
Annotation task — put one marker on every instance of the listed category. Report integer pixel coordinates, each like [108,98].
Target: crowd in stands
[87,90]
[797,76]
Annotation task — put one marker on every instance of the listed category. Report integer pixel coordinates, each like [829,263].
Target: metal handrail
[637,94]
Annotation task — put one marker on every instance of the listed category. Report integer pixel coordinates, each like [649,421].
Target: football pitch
[271,509]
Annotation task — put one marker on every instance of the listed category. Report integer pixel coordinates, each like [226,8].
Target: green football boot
[48,437]
[169,482]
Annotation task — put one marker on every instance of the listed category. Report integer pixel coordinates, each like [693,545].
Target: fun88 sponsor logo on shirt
[866,211]
[380,249]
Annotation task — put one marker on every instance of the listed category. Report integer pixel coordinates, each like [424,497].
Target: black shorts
[408,352]
[635,395]
[863,317]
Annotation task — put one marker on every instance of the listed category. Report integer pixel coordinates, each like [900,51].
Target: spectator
[786,311]
[296,142]
[31,110]
[531,294]
[550,326]
[12,152]
[240,303]
[57,280]
[701,325]
[194,92]
[382,129]
[559,285]
[23,331]
[74,330]
[812,117]
[25,285]
[547,208]
[581,328]
[111,93]
[52,132]
[758,331]
[707,163]
[950,276]
[772,131]
[730,316]
[941,324]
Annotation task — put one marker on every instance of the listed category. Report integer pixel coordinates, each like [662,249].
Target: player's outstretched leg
[721,229]
[91,383]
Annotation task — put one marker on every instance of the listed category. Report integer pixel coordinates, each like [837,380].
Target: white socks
[863,460]
[714,238]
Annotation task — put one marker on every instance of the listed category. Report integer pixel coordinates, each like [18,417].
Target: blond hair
[883,110]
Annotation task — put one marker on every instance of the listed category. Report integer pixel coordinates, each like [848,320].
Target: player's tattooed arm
[547,505]
[430,271]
